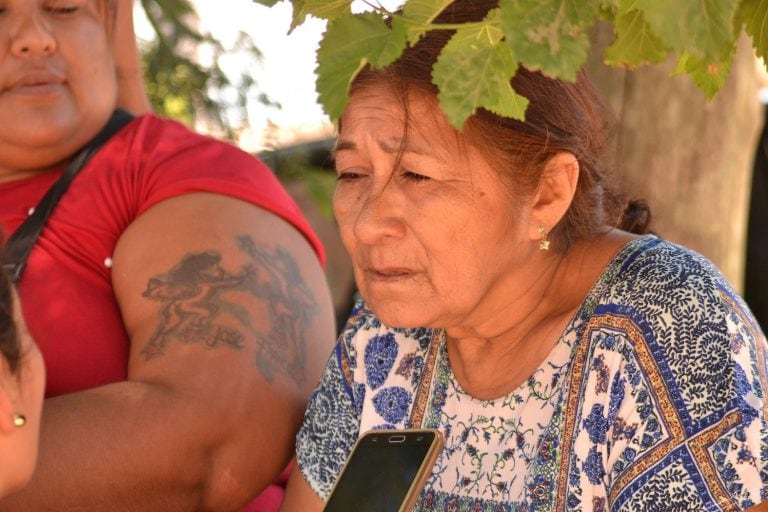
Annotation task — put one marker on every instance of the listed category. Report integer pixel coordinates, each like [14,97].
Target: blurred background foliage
[311,163]
[186,82]
[183,76]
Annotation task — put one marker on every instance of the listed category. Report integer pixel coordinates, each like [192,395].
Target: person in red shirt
[176,291]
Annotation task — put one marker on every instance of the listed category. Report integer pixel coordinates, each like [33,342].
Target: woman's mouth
[37,84]
[389,273]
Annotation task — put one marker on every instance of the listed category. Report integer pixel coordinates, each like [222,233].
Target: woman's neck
[492,358]
[12,174]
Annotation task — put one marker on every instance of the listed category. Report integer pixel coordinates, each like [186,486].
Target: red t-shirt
[66,289]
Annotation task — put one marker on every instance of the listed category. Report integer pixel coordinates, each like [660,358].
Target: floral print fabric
[652,399]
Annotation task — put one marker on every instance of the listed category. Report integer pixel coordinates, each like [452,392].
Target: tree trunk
[690,159]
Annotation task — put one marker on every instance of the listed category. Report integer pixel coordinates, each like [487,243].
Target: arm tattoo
[194,295]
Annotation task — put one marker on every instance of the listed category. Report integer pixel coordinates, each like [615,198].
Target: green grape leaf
[420,13]
[299,14]
[753,14]
[508,103]
[635,42]
[697,27]
[424,11]
[708,76]
[473,71]
[549,35]
[349,43]
[323,9]
[392,46]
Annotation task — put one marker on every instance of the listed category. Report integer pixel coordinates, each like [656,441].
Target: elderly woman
[570,365]
[22,379]
[175,290]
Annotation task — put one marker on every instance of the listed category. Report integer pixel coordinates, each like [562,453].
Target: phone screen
[381,469]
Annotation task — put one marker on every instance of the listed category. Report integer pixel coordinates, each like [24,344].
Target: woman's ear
[555,194]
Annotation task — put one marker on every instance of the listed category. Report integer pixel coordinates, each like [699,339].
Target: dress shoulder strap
[22,241]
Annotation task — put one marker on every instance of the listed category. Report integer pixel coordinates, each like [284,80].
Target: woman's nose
[379,217]
[31,37]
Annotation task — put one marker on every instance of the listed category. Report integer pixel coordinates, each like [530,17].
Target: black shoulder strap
[22,241]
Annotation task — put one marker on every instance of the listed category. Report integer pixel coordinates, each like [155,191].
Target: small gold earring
[544,242]
[19,420]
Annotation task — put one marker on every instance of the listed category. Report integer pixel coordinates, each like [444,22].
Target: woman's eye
[62,9]
[348,175]
[414,176]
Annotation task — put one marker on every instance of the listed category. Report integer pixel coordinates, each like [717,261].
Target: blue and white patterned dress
[653,399]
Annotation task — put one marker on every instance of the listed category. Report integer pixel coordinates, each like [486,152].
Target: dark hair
[561,116]
[10,347]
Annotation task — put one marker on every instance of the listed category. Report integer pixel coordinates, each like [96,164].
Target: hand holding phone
[385,471]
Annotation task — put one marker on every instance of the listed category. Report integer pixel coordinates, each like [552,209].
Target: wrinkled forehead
[411,118]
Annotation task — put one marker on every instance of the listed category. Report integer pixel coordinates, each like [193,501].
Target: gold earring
[19,420]
[544,242]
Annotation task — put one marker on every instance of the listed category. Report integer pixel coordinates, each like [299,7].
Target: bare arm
[230,323]
[299,496]
[131,94]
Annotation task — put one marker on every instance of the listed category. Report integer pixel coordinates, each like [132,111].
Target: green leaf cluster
[475,67]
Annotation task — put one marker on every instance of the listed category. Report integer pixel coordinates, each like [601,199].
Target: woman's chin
[399,313]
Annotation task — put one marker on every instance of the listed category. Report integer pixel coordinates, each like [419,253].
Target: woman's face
[57,80]
[433,236]
[18,448]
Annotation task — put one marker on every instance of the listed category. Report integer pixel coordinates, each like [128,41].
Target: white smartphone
[386,471]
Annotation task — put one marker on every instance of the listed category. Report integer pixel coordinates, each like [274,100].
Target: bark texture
[689,158]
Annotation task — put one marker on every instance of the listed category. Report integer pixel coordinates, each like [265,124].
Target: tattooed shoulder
[204,304]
